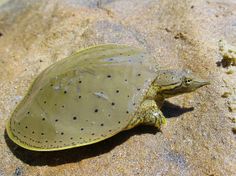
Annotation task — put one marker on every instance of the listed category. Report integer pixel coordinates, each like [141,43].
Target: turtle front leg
[148,114]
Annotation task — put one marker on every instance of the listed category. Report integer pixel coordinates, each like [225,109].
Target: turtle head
[175,82]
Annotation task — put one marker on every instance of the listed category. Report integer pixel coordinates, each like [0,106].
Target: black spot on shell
[32,132]
[51,85]
[112,103]
[42,134]
[26,127]
[45,102]
[101,124]
[55,104]
[28,112]
[65,92]
[62,106]
[74,118]
[139,74]
[71,138]
[110,130]
[117,91]
[43,119]
[80,97]
[81,129]
[62,133]
[46,141]
[119,122]
[126,80]
[92,134]
[80,82]
[96,110]
[138,89]
[109,76]
[127,112]
[56,120]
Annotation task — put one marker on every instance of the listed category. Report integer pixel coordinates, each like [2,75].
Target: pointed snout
[201,82]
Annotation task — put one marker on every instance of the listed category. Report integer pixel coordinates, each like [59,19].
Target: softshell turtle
[93,95]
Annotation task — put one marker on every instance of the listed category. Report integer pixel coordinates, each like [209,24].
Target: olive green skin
[93,95]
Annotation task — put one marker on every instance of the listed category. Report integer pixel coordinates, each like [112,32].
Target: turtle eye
[187,81]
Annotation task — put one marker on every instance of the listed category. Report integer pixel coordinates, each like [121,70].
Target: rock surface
[198,139]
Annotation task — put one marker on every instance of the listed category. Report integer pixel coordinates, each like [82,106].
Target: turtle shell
[83,99]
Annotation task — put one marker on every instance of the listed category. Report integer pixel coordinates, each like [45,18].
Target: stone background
[198,139]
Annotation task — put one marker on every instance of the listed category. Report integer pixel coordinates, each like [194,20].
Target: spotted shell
[83,99]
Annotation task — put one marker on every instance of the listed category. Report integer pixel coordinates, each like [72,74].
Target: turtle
[94,94]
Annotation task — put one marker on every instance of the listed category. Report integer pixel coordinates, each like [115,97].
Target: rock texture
[198,139]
